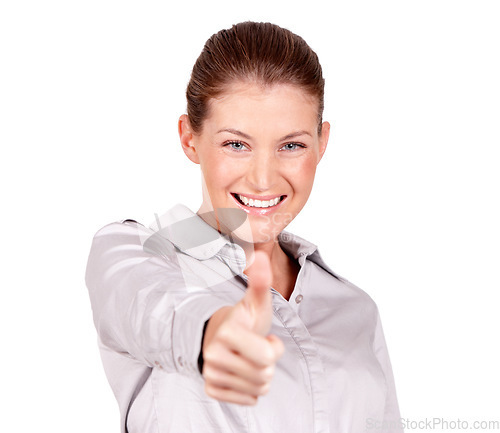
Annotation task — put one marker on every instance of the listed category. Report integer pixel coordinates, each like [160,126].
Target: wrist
[213,324]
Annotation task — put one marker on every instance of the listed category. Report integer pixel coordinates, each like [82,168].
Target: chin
[255,233]
[265,233]
[251,228]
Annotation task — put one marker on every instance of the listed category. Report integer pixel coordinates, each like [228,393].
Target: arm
[392,417]
[141,305]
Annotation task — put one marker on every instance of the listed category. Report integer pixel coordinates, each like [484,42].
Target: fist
[239,355]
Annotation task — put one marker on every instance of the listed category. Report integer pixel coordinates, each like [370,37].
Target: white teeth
[259,203]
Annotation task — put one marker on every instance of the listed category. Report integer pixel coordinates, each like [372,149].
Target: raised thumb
[258,295]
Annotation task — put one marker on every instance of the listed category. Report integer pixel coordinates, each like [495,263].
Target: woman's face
[258,152]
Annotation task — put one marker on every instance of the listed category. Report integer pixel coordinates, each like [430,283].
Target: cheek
[220,173]
[302,175]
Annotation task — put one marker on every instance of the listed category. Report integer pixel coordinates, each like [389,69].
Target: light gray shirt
[152,289]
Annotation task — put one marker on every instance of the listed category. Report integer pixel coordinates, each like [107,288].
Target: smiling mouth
[259,204]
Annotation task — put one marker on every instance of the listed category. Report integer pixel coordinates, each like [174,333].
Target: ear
[187,138]
[323,139]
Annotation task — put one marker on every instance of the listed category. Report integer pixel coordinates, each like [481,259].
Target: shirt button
[180,361]
[298,299]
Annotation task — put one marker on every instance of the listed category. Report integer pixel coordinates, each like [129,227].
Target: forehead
[249,104]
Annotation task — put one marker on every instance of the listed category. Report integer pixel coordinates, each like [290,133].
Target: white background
[406,204]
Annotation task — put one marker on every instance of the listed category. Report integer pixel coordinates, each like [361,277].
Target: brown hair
[249,51]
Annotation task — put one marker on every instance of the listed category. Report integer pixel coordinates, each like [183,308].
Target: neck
[271,247]
[284,268]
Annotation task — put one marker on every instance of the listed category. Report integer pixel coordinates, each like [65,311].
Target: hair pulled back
[263,53]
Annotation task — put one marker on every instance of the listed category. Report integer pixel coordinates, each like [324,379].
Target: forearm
[209,329]
[213,324]
[141,304]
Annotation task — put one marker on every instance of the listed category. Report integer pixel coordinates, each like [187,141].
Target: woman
[220,321]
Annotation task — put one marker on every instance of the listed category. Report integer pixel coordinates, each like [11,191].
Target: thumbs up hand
[239,356]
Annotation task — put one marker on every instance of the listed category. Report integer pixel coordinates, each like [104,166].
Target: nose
[263,172]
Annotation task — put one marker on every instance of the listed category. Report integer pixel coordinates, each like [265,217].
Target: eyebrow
[248,137]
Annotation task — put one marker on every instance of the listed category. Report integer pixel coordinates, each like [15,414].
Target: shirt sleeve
[142,307]
[392,418]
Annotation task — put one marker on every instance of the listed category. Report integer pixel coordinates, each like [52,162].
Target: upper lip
[259,197]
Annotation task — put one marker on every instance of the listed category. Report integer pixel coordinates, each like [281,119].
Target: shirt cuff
[188,329]
[200,356]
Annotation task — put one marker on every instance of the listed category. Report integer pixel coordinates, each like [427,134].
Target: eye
[290,147]
[237,146]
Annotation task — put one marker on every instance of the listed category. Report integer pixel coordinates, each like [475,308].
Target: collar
[295,246]
[303,250]
[198,239]
[189,233]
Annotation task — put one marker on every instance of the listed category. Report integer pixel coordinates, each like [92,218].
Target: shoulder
[132,233]
[339,292]
[115,229]
[124,243]
[323,278]
[129,249]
